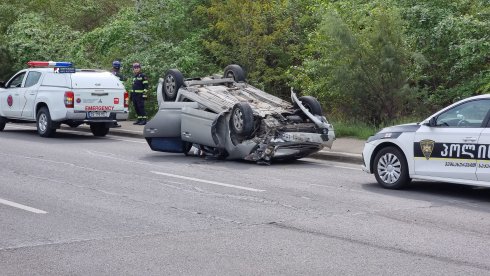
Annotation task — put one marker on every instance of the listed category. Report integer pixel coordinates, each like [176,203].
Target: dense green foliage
[370,61]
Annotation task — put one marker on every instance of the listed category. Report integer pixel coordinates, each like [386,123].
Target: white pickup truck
[50,98]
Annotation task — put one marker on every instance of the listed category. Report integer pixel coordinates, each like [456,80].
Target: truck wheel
[44,123]
[99,129]
[391,169]
[311,104]
[172,81]
[242,120]
[2,126]
[234,72]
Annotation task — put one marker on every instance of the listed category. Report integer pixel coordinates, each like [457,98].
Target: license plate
[93,114]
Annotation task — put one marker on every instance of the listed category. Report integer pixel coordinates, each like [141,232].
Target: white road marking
[210,182]
[23,207]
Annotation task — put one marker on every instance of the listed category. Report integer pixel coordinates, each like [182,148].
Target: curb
[322,155]
[338,157]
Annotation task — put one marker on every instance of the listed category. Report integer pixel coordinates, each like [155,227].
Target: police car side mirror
[430,123]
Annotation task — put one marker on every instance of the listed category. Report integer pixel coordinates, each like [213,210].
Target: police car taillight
[69,99]
[126,99]
[48,63]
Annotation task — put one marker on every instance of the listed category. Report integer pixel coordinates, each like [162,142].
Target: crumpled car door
[196,127]
[163,132]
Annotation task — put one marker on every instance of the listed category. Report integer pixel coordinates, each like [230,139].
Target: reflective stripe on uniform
[145,81]
[139,91]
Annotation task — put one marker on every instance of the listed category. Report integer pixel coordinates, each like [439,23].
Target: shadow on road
[439,193]
[162,158]
[60,136]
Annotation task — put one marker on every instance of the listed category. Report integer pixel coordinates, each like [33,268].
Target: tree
[264,37]
[359,60]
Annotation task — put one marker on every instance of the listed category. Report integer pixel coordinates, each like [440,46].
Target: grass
[360,130]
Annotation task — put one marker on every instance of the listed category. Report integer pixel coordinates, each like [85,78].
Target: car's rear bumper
[82,117]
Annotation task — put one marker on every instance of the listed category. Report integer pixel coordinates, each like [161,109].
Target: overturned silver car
[222,117]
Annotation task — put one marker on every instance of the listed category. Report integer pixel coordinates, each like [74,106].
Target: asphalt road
[80,205]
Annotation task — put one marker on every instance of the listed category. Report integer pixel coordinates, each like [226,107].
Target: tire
[234,72]
[2,126]
[44,123]
[311,104]
[99,129]
[242,120]
[386,175]
[172,81]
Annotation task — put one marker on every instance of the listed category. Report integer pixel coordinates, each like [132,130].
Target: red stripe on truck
[99,108]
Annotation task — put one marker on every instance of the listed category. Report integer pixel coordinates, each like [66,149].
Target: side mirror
[430,123]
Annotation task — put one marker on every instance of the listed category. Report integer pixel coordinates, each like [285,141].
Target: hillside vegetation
[373,62]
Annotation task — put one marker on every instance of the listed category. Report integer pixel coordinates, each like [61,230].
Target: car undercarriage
[226,118]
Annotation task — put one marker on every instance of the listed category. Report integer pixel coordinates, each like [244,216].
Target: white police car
[453,145]
[53,93]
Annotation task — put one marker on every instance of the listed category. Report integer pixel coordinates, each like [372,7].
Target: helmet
[136,64]
[116,64]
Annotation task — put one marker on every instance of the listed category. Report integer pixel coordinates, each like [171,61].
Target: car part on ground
[226,118]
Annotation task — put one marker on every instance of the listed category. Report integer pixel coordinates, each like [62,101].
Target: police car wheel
[44,123]
[172,81]
[2,126]
[99,129]
[391,169]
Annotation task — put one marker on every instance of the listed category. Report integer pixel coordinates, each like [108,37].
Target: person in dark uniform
[116,65]
[139,94]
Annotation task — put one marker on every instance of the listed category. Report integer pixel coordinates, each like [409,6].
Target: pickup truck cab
[51,98]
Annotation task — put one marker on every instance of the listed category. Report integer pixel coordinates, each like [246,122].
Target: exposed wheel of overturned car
[172,81]
[311,104]
[235,72]
[242,120]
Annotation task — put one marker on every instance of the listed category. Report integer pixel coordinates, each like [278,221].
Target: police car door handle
[186,134]
[33,93]
[469,139]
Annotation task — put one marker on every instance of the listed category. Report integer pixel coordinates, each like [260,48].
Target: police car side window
[17,81]
[470,114]
[32,79]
